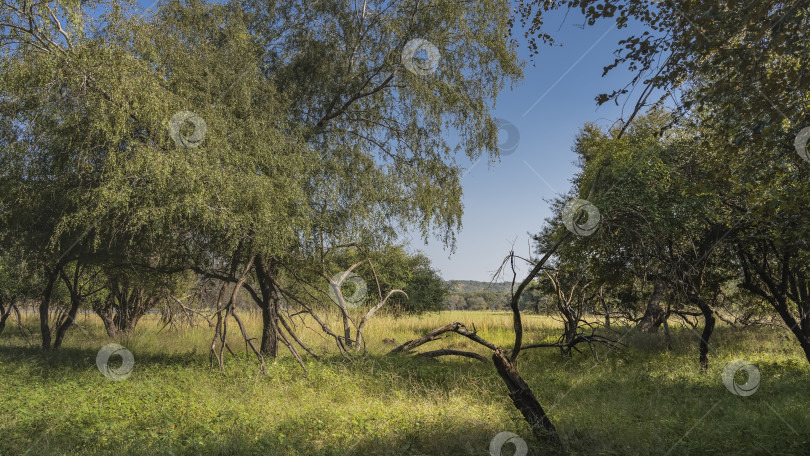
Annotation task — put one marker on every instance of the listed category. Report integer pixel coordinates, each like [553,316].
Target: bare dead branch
[451,352]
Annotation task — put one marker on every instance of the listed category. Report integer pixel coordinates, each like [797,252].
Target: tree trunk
[131,309]
[269,345]
[654,314]
[4,313]
[667,334]
[800,328]
[804,342]
[524,399]
[44,310]
[708,328]
[109,325]
[105,313]
[269,306]
[61,330]
[604,306]
[776,293]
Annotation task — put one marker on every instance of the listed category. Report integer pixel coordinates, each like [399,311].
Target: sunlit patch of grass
[640,400]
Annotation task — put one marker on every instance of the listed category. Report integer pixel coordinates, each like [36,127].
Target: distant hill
[473,286]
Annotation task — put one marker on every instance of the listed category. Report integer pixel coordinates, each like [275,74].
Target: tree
[657,218]
[53,136]
[132,293]
[292,131]
[379,128]
[89,161]
[395,268]
[737,70]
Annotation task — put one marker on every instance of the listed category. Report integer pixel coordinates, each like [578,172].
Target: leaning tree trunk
[801,327]
[61,329]
[708,328]
[776,294]
[524,399]
[522,396]
[654,315]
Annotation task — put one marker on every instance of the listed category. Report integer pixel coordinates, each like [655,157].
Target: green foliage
[477,300]
[395,268]
[723,198]
[315,134]
[474,285]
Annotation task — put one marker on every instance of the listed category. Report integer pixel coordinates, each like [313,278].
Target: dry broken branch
[451,352]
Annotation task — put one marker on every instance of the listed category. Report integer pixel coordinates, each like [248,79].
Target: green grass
[643,400]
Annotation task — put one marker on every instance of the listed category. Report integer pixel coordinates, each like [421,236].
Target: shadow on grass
[298,436]
[74,359]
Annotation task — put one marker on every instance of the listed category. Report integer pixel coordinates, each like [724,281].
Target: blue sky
[507,200]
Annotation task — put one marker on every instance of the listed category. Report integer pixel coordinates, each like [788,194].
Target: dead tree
[223,312]
[571,307]
[519,391]
[570,313]
[277,320]
[352,336]
[185,314]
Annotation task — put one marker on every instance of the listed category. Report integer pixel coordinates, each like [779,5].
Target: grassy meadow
[640,400]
